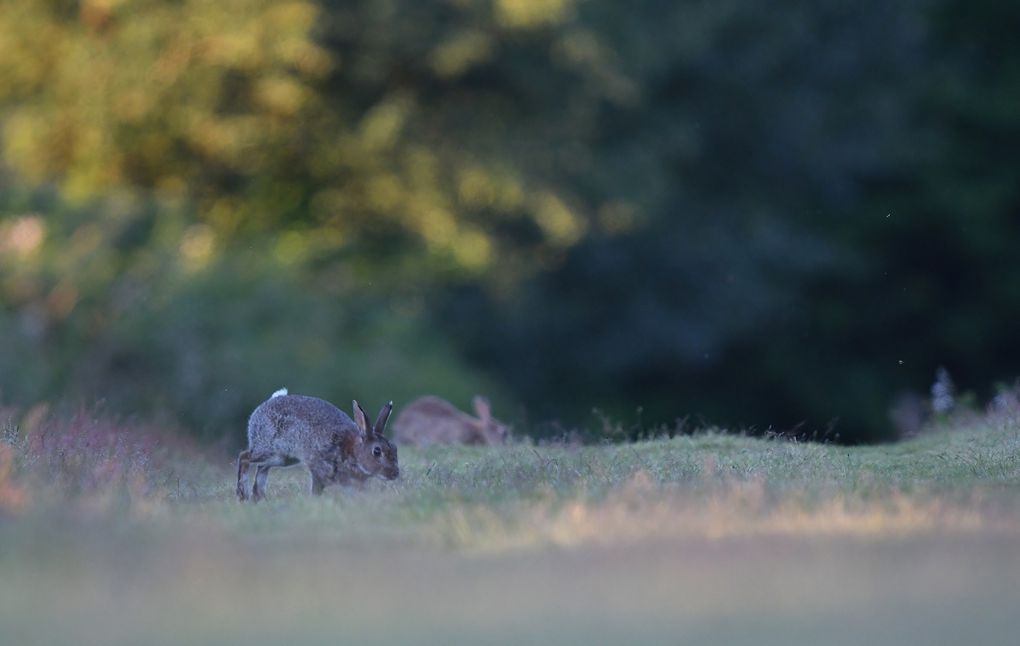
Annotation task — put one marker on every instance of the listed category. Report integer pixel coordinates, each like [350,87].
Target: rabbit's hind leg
[264,463]
[243,462]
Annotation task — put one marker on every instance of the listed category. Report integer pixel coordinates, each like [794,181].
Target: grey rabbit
[289,429]
[431,420]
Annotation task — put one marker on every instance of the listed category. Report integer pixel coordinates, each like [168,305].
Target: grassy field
[110,536]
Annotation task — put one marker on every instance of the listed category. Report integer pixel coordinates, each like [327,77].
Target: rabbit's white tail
[279,393]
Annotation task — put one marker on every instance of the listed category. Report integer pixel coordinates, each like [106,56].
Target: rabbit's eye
[377,451]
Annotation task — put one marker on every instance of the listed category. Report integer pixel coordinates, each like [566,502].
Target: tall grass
[86,461]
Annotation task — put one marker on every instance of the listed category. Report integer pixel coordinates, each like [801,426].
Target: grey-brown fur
[289,429]
[431,420]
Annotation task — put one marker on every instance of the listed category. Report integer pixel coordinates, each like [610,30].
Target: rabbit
[289,429]
[431,420]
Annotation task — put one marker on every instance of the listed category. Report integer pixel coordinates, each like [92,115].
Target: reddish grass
[85,455]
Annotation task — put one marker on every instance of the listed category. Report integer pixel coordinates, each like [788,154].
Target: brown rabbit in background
[431,420]
[289,429]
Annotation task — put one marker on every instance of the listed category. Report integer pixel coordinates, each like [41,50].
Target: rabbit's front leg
[321,472]
[317,485]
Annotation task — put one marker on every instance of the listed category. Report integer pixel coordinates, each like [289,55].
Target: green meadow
[704,537]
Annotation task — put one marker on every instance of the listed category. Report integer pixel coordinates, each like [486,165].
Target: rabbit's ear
[384,414]
[361,419]
[482,408]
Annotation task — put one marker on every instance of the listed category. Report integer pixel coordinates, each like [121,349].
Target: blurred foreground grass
[109,534]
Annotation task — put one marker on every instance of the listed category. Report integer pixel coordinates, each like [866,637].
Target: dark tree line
[768,218]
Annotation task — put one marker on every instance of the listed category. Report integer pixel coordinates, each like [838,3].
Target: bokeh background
[764,217]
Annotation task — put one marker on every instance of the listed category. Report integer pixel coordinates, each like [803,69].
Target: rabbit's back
[431,420]
[296,425]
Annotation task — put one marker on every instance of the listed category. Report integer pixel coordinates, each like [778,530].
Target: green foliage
[132,305]
[324,122]
[776,219]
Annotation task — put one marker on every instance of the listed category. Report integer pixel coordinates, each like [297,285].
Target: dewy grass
[97,460]
[505,544]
